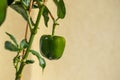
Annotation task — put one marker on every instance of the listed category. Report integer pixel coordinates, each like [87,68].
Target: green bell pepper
[52,47]
[3,8]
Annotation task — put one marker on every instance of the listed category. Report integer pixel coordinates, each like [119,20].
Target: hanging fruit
[3,8]
[52,47]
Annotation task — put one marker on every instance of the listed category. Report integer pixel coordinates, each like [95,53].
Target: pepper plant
[51,46]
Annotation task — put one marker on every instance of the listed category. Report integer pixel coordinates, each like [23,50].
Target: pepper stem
[54,26]
[53,29]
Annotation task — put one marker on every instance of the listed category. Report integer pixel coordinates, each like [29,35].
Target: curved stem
[30,8]
[33,33]
[51,16]
[28,23]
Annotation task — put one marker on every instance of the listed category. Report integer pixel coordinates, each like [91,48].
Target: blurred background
[91,29]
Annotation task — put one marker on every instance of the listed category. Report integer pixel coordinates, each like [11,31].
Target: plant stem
[30,8]
[33,33]
[54,25]
[53,29]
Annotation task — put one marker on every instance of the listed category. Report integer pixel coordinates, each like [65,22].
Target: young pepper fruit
[3,8]
[52,47]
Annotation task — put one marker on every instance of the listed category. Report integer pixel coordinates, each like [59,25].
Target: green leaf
[26,3]
[12,38]
[18,8]
[10,46]
[42,62]
[29,61]
[23,44]
[61,10]
[45,16]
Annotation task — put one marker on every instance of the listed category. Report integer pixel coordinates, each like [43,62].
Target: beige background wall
[91,29]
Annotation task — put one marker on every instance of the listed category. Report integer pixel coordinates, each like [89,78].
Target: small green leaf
[61,10]
[26,3]
[29,61]
[42,62]
[18,8]
[10,46]
[23,44]
[45,16]
[12,38]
